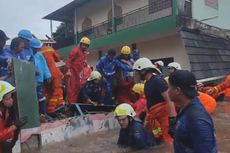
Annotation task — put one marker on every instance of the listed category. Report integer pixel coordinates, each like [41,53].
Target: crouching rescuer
[132,133]
[9,126]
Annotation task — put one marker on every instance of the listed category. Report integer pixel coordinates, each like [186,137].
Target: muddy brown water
[105,142]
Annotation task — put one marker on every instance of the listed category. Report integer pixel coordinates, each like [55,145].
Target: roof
[209,55]
[65,14]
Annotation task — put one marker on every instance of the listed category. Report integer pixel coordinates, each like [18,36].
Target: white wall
[170,46]
[97,10]
[165,47]
[215,17]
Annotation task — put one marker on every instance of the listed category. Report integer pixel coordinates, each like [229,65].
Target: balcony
[156,11]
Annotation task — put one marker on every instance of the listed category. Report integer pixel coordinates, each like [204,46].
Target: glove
[172,126]
[21,122]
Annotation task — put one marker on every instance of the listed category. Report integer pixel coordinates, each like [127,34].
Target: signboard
[24,74]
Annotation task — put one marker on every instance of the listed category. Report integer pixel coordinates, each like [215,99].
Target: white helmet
[124,110]
[161,63]
[144,63]
[175,65]
[5,88]
[94,75]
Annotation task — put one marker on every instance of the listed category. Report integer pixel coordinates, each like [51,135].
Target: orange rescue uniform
[53,91]
[207,101]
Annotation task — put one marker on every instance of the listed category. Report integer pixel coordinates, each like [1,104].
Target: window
[118,15]
[87,26]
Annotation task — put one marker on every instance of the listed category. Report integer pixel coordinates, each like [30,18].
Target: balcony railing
[159,9]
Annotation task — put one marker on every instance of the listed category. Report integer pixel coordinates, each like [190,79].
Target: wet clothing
[76,61]
[90,91]
[194,130]
[153,89]
[135,136]
[207,101]
[157,119]
[108,69]
[53,91]
[6,132]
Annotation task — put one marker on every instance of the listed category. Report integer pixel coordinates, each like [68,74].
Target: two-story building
[191,32]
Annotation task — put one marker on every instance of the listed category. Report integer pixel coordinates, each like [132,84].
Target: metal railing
[158,9]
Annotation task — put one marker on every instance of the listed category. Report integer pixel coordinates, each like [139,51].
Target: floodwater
[105,142]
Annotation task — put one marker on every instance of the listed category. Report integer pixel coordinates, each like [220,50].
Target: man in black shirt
[161,111]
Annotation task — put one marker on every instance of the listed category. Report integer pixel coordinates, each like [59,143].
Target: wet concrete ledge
[33,139]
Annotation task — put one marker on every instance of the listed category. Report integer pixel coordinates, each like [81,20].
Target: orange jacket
[207,101]
[224,85]
[51,58]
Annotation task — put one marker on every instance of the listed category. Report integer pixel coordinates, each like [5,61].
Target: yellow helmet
[94,75]
[5,88]
[138,88]
[124,110]
[85,40]
[126,50]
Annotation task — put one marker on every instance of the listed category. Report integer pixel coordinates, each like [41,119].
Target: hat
[185,80]
[3,35]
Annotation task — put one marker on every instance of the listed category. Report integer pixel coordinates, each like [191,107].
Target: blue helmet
[35,43]
[26,34]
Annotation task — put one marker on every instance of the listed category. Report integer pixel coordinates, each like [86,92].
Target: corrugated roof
[209,56]
[65,14]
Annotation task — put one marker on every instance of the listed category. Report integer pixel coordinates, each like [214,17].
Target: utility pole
[51,29]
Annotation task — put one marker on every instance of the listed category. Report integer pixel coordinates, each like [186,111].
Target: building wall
[97,11]
[165,47]
[170,46]
[216,17]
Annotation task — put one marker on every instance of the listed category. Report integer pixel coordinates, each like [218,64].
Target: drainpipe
[113,17]
[75,26]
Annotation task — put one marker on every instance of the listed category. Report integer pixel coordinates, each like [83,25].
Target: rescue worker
[172,67]
[16,47]
[9,127]
[160,118]
[194,127]
[123,88]
[4,56]
[74,67]
[107,66]
[42,75]
[208,102]
[140,106]
[27,53]
[53,90]
[125,58]
[91,92]
[220,88]
[135,54]
[132,133]
[159,65]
